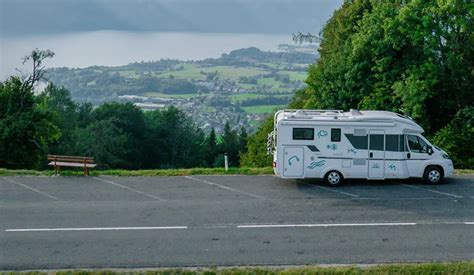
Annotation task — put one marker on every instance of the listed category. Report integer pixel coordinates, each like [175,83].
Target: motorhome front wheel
[433,175]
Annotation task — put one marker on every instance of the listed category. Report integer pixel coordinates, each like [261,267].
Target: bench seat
[72,164]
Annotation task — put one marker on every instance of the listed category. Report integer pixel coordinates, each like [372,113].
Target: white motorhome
[336,145]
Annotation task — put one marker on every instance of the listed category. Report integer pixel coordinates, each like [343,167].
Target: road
[129,222]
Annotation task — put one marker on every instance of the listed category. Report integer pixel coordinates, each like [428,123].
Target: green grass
[165,172]
[262,109]
[151,172]
[189,71]
[425,268]
[295,75]
[269,81]
[464,171]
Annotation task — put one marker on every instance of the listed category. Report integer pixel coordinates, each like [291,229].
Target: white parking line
[225,187]
[95,228]
[332,190]
[235,226]
[30,188]
[323,225]
[433,191]
[129,188]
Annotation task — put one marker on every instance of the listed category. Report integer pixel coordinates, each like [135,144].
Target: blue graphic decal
[293,157]
[392,167]
[315,164]
[332,147]
[352,151]
[322,133]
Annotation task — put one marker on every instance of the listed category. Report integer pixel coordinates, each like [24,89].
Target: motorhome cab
[336,145]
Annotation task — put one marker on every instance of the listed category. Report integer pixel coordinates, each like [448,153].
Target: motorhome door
[376,154]
[293,162]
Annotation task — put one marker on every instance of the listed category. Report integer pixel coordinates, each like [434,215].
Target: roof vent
[355,112]
[300,113]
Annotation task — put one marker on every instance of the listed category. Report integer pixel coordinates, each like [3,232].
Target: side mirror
[430,150]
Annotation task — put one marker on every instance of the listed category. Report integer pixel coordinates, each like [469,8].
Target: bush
[456,138]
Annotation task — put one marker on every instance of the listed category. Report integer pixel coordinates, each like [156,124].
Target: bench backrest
[70,159]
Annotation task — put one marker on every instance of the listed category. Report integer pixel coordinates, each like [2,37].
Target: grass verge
[165,172]
[156,172]
[425,268]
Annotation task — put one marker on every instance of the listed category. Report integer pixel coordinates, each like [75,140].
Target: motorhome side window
[416,144]
[303,133]
[335,135]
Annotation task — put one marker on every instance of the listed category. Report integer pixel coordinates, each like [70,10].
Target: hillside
[241,86]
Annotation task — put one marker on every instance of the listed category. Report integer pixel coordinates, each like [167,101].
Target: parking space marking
[129,189]
[433,191]
[333,190]
[95,228]
[324,225]
[225,187]
[30,188]
[238,226]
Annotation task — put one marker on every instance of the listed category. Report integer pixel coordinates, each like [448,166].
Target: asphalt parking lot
[69,222]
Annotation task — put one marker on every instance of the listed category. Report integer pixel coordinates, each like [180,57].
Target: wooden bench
[71,161]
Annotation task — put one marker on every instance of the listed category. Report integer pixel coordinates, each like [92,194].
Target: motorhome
[334,145]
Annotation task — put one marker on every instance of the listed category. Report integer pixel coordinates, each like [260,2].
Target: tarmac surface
[136,222]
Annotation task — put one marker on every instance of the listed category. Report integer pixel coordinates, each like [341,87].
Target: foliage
[457,138]
[256,154]
[415,56]
[26,127]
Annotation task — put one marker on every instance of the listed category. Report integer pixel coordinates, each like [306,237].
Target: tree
[243,136]
[456,138]
[26,129]
[104,141]
[230,145]
[131,121]
[211,148]
[256,154]
[58,101]
[38,69]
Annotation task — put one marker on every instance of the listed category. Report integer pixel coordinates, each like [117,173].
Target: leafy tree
[178,142]
[104,141]
[26,129]
[256,154]
[131,121]
[58,101]
[417,56]
[456,138]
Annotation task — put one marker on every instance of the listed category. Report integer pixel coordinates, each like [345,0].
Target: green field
[189,71]
[241,97]
[262,108]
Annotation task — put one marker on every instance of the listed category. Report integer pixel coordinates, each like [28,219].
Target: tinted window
[416,144]
[359,142]
[376,142]
[335,134]
[392,143]
[303,133]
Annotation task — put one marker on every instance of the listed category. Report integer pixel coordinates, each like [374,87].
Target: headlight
[445,156]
